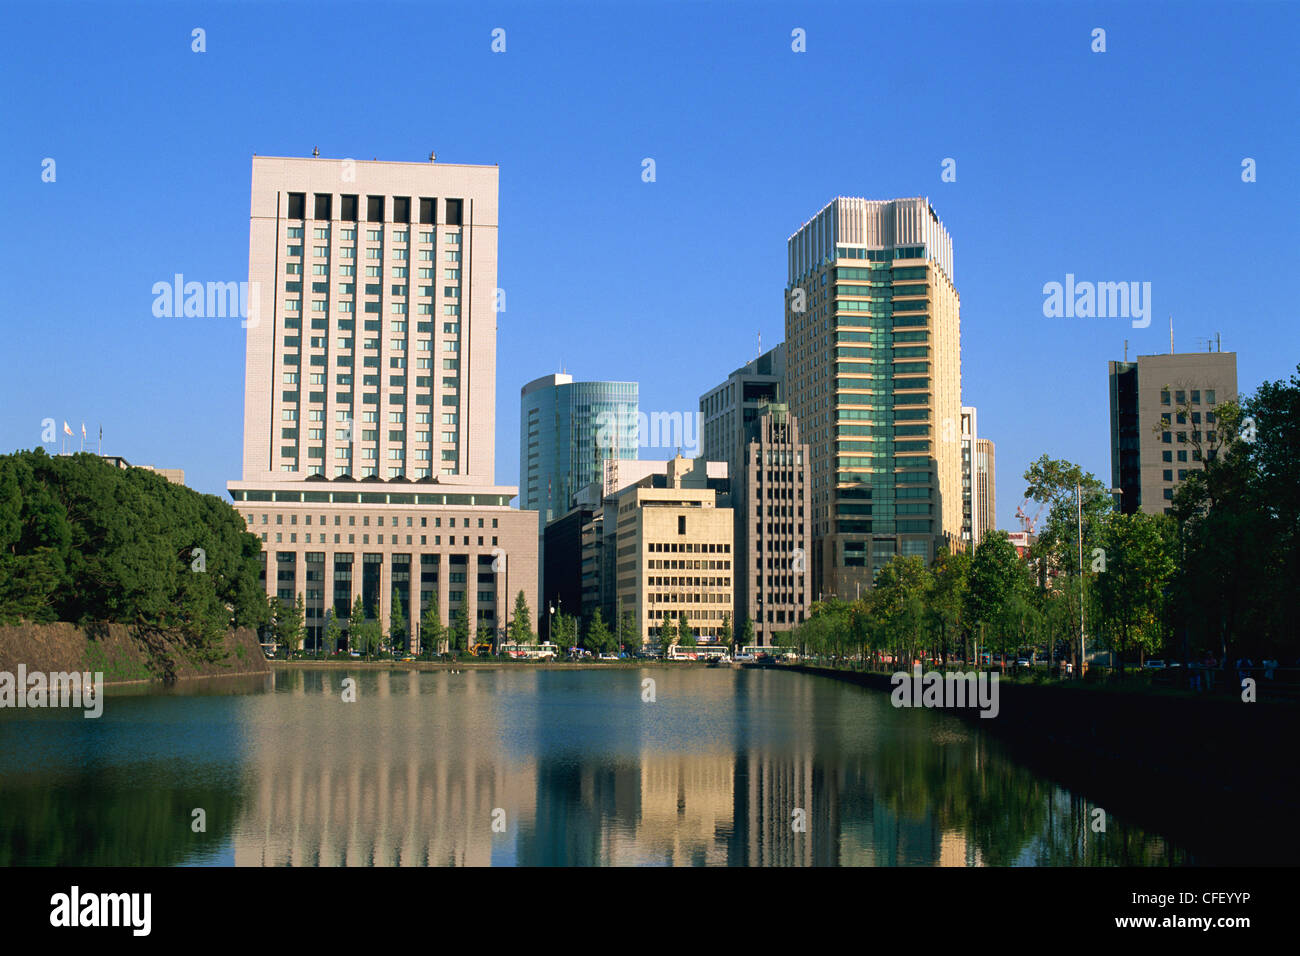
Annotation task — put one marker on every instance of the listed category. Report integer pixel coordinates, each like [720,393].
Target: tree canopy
[84,541]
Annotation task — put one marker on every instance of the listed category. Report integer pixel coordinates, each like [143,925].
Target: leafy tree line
[86,542]
[1215,578]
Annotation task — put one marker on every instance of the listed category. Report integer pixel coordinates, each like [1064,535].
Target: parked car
[609,657]
[1155,664]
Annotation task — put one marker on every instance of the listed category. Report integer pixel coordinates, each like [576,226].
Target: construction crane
[1027,524]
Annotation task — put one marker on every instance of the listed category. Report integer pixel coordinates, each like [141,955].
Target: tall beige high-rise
[986,483]
[370,390]
[873,373]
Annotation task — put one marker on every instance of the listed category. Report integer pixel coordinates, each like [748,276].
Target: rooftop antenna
[760,343]
[1171,334]
[315,150]
[1218,343]
[432,156]
[1126,351]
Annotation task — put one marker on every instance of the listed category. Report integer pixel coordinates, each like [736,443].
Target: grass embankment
[123,654]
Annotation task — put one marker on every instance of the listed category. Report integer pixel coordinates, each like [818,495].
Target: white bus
[530,652]
[702,652]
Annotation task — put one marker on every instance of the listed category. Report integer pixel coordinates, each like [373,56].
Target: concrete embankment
[486,664]
[123,654]
[1214,773]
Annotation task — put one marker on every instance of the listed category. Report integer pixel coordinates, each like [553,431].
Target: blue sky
[1115,166]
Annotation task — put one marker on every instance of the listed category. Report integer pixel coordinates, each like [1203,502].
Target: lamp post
[1083,651]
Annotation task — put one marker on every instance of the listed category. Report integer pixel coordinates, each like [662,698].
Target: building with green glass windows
[873,374]
[569,433]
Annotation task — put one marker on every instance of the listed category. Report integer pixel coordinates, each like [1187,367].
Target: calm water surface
[533,767]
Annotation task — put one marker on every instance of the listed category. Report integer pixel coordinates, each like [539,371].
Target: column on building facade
[327,595]
[413,629]
[386,592]
[444,578]
[501,591]
[471,596]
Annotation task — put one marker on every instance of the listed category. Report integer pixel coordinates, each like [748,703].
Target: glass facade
[567,431]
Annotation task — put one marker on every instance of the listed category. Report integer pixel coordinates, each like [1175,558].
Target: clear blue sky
[1123,165]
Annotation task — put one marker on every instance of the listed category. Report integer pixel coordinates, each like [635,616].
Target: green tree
[724,632]
[685,635]
[599,638]
[1070,494]
[1238,520]
[397,627]
[628,635]
[333,631]
[747,633]
[370,632]
[667,634]
[950,578]
[521,626]
[565,628]
[357,627]
[1138,551]
[431,628]
[294,619]
[85,542]
[459,635]
[900,591]
[995,570]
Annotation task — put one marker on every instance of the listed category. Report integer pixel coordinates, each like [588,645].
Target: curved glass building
[567,431]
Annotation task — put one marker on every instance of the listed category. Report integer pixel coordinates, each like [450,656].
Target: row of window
[372,235]
[294,251]
[322,538]
[372,288]
[377,208]
[1210,418]
[365,520]
[1180,396]
[880,255]
[688,582]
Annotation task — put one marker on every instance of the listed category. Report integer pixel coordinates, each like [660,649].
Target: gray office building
[1162,416]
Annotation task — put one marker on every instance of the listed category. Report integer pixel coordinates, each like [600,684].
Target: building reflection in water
[724,768]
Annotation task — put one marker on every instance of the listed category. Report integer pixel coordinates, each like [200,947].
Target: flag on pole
[67,429]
